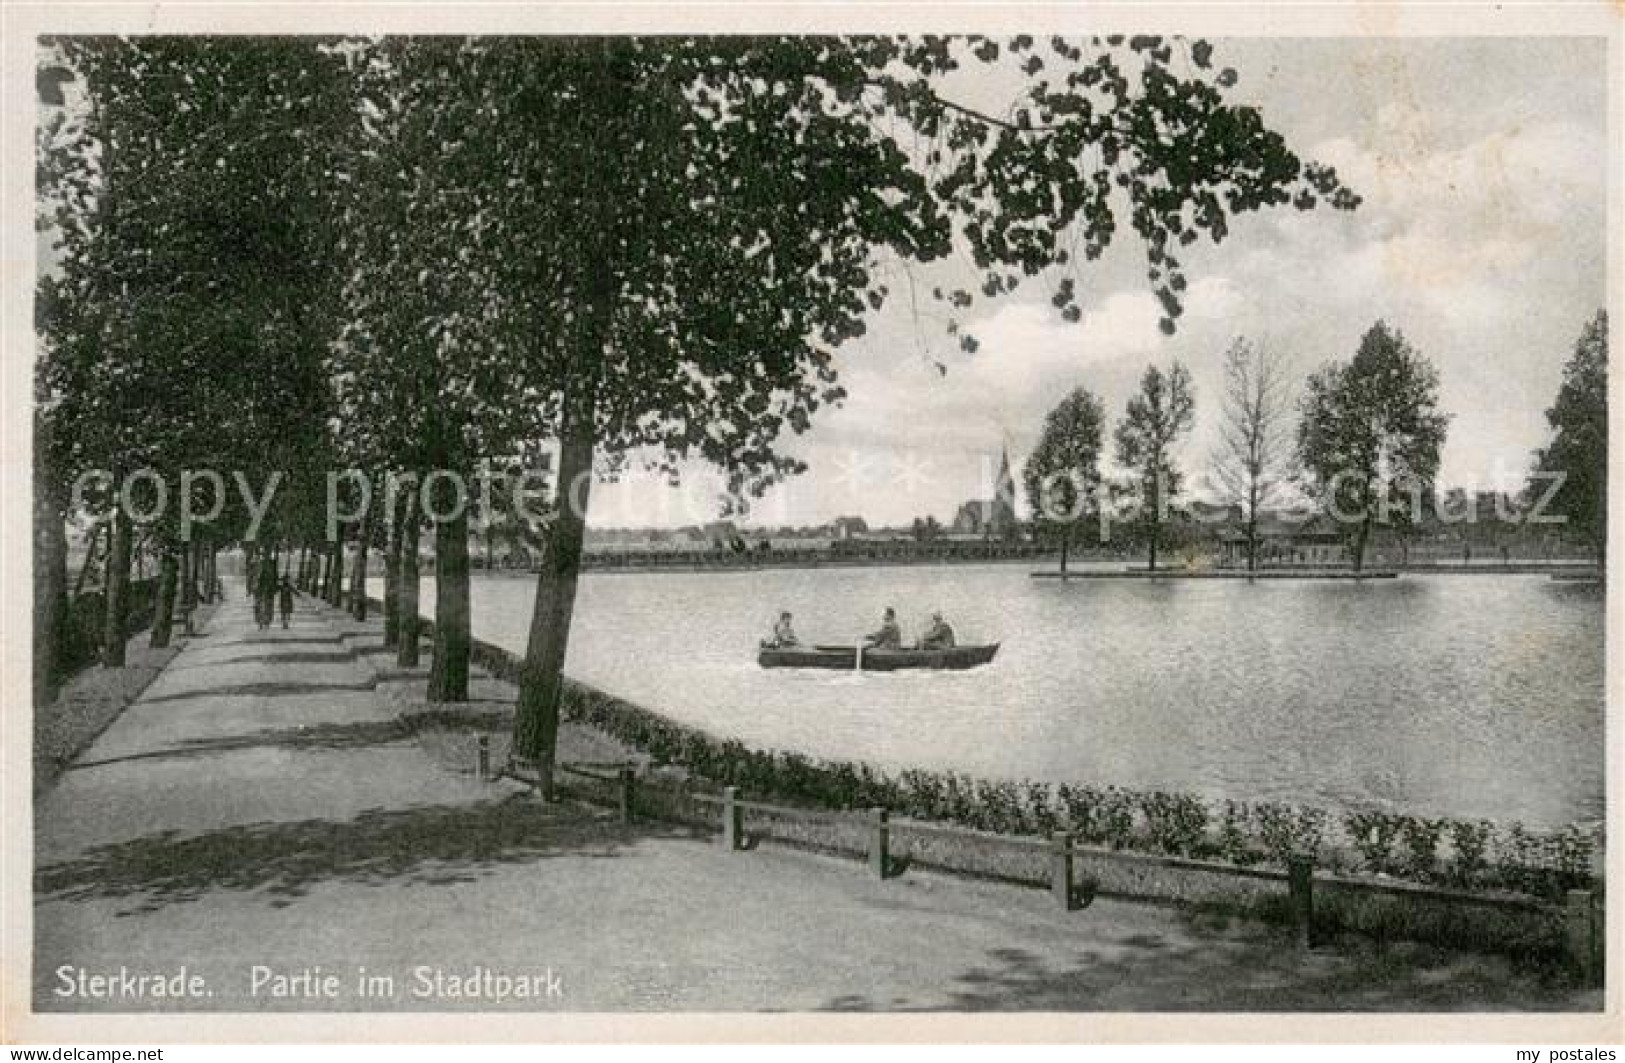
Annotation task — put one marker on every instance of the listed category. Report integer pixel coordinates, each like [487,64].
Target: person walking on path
[265,595]
[284,595]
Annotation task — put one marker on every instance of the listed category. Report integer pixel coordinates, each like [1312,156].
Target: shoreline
[1275,574]
[1564,569]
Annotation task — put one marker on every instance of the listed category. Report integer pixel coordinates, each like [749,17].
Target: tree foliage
[183,318]
[1370,436]
[1156,417]
[740,204]
[1578,450]
[1062,474]
[1255,448]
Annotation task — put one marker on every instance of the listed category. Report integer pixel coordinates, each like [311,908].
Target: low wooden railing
[1301,884]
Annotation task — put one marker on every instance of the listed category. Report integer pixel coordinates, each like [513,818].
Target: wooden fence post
[1300,884]
[482,758]
[1580,935]
[629,781]
[733,820]
[879,842]
[1060,870]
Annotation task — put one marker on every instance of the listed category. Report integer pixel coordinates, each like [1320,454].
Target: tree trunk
[536,722]
[448,672]
[406,653]
[90,559]
[116,589]
[50,586]
[1360,538]
[163,614]
[324,582]
[335,572]
[188,575]
[1156,512]
[265,584]
[358,578]
[392,580]
[536,717]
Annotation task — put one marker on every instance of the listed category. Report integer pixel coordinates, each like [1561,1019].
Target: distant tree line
[1361,446]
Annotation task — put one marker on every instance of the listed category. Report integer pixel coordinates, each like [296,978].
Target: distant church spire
[1002,521]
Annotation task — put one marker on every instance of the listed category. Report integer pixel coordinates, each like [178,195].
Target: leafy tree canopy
[1157,415]
[1371,433]
[1579,446]
[1062,474]
[722,213]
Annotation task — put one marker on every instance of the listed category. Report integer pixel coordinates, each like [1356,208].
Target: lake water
[1435,694]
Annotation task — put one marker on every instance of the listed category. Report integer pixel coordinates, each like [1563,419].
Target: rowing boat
[846,658]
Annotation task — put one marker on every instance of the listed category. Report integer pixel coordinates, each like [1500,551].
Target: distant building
[1283,539]
[723,535]
[991,518]
[1213,512]
[848,527]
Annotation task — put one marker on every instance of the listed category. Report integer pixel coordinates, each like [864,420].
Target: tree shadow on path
[276,659]
[434,845]
[317,736]
[1253,969]
[261,690]
[287,640]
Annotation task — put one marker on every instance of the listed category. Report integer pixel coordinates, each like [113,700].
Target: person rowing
[890,636]
[784,634]
[939,636]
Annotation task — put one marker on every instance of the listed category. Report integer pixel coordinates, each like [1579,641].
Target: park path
[260,806]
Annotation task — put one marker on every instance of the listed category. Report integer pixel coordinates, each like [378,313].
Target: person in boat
[939,636]
[784,634]
[890,636]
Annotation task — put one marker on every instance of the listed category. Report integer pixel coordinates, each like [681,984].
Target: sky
[1482,237]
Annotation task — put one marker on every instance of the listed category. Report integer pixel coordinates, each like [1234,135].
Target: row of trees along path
[281,256]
